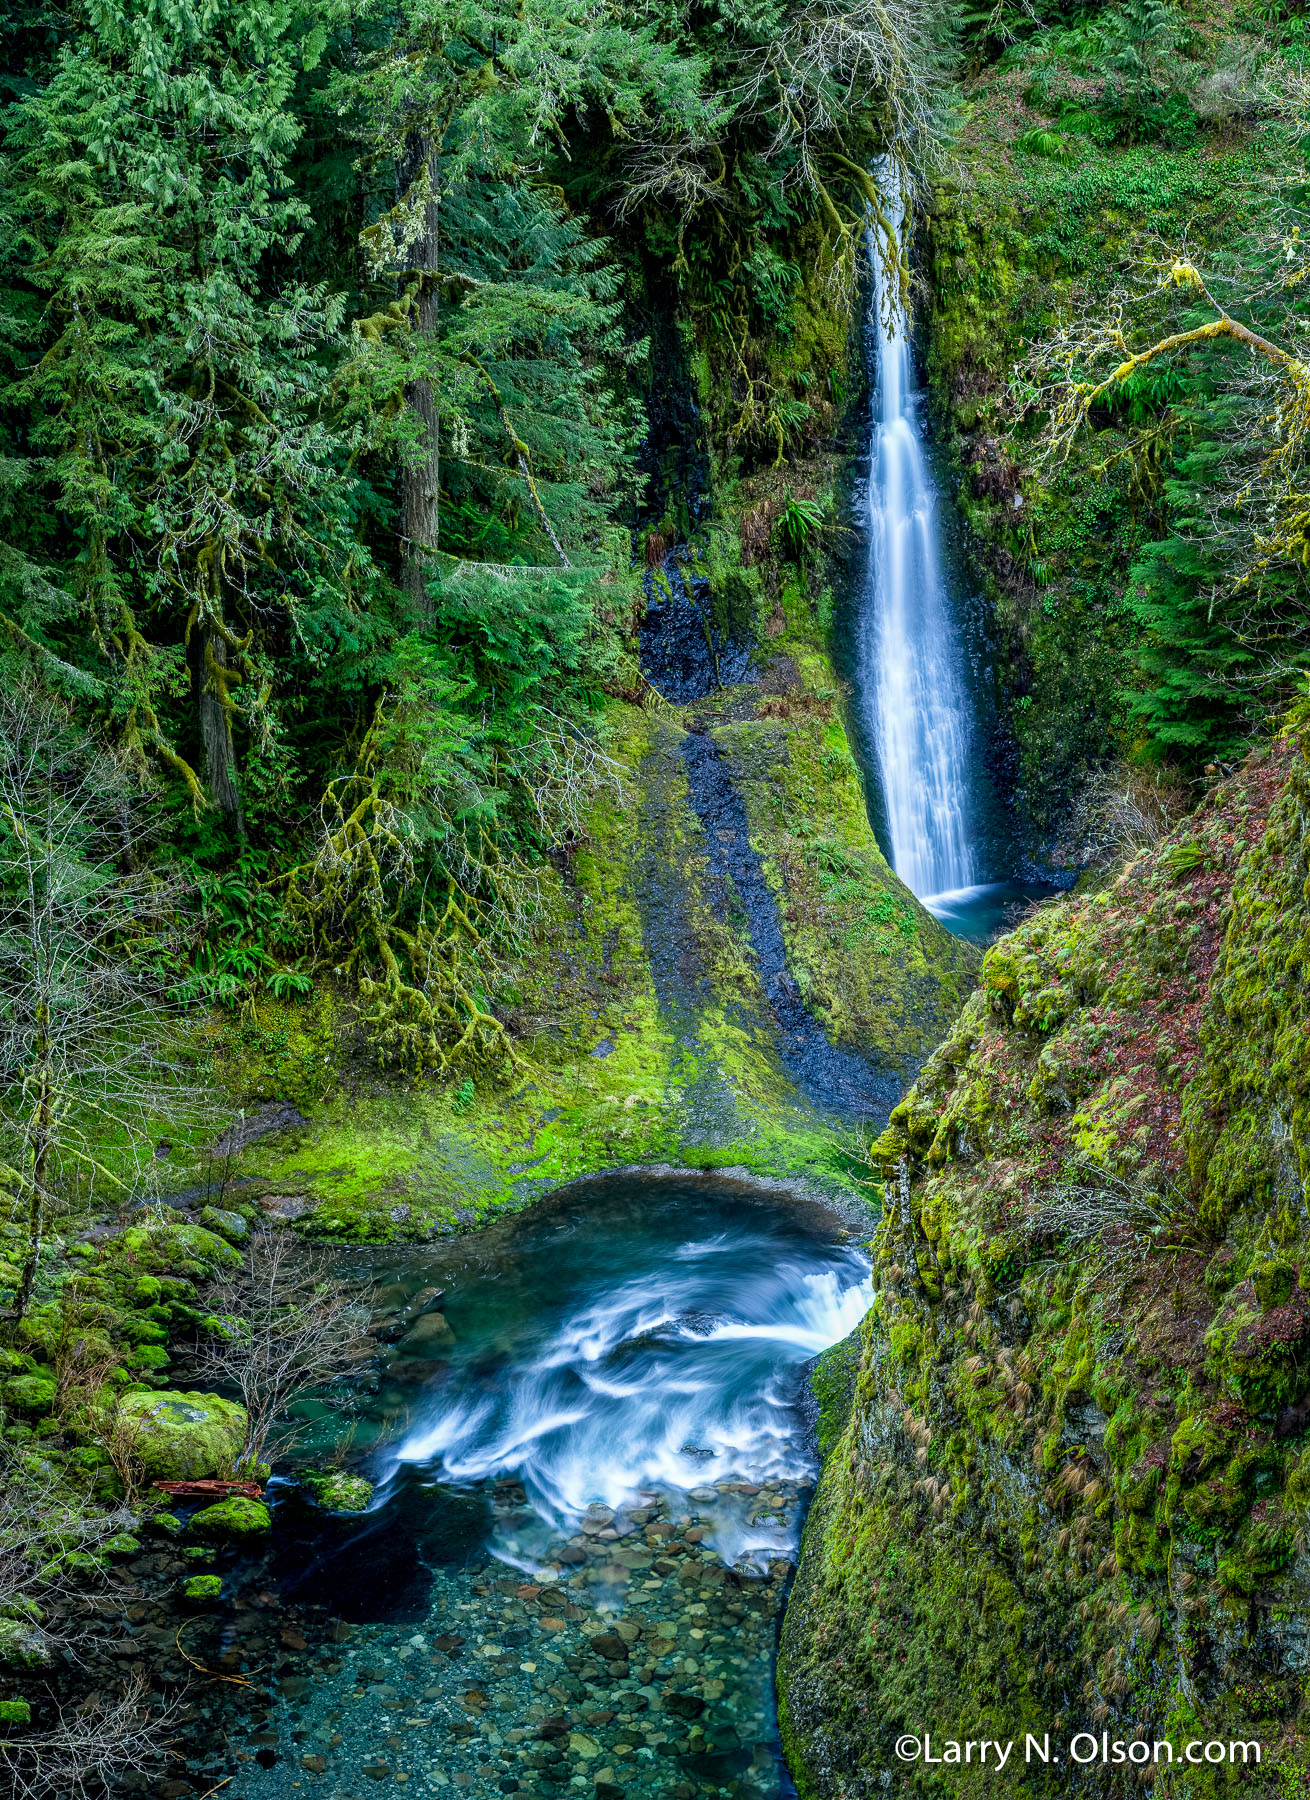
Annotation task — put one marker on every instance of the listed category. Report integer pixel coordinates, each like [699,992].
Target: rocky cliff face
[1071,1489]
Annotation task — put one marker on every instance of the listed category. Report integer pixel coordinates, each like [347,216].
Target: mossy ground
[1071,1492]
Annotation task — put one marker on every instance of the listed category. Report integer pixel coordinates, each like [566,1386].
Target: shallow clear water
[609,1457]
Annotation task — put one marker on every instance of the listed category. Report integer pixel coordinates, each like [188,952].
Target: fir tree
[208,515]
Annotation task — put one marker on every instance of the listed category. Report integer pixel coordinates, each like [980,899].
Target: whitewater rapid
[912,676]
[675,1378]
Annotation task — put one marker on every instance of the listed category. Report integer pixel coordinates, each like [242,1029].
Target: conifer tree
[207,505]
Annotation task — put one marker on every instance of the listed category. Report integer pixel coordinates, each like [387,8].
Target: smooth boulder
[184,1437]
[429,1336]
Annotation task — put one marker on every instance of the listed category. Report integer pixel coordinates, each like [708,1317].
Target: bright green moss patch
[184,1436]
[638,1010]
[238,1517]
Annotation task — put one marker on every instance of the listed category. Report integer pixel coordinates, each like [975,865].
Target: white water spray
[913,677]
[661,1382]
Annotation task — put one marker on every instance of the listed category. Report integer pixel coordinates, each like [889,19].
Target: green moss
[228,1225]
[23,1645]
[873,965]
[832,1381]
[172,1244]
[338,1491]
[202,1587]
[29,1393]
[184,1436]
[626,1068]
[1068,1417]
[237,1517]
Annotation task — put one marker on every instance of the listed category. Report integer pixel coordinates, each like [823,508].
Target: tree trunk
[216,730]
[42,1124]
[420,501]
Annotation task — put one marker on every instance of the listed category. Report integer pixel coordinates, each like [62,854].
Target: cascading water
[674,1376]
[592,1468]
[913,679]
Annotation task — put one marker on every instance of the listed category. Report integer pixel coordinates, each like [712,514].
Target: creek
[589,1502]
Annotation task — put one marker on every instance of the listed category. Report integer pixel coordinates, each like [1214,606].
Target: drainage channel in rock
[846,1082]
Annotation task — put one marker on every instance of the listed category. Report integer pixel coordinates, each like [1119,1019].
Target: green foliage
[197,456]
[798,523]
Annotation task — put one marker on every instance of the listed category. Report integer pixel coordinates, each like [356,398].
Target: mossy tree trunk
[420,500]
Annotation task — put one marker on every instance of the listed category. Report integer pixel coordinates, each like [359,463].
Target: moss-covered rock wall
[644,1031]
[1072,1491]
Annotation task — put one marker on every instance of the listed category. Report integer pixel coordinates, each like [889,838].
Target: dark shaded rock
[273,1115]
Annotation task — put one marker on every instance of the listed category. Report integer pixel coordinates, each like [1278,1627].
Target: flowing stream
[588,1426]
[591,1482]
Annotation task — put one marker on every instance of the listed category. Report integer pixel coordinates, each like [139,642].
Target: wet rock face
[850,1082]
[683,653]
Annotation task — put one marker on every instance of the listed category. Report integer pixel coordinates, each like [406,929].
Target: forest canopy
[327,340]
[352,355]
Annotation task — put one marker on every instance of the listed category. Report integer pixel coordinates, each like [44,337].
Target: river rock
[392,1298]
[428,1337]
[184,1437]
[237,1517]
[427,1300]
[336,1490]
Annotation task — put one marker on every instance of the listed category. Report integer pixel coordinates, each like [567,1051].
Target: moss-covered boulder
[230,1226]
[338,1491]
[184,1437]
[173,1244]
[202,1588]
[236,1517]
[29,1393]
[23,1645]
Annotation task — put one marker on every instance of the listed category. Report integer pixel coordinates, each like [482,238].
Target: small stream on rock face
[590,1496]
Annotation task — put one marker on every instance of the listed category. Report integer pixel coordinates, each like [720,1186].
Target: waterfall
[913,679]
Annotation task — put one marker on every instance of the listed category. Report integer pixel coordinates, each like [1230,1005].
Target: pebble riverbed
[641,1666]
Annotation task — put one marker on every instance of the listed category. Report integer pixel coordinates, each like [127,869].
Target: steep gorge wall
[1071,1491]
